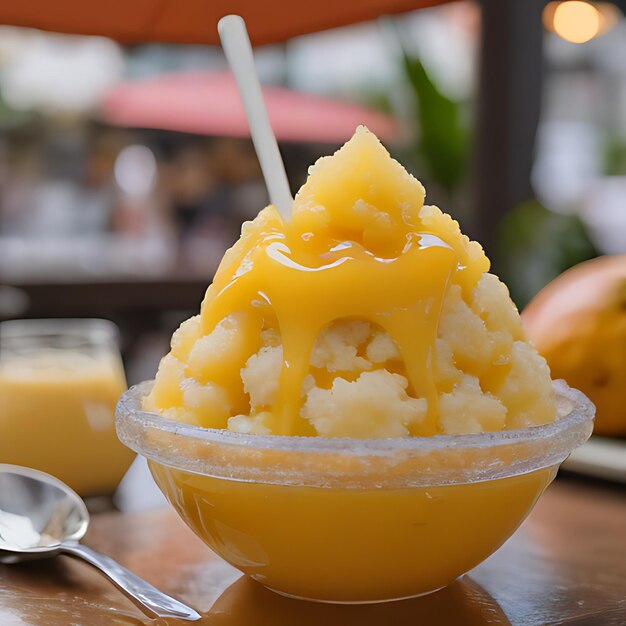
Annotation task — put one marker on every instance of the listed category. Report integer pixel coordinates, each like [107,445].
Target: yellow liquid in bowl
[352,545]
[57,415]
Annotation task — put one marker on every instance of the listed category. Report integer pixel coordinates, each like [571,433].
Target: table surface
[565,565]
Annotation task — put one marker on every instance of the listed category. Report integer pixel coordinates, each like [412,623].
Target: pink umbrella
[208,103]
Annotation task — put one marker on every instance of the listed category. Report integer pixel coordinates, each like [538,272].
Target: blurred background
[126,170]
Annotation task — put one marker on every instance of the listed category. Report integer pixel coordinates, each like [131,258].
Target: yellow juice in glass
[59,383]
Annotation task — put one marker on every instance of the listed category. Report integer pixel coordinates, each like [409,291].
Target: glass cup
[353,520]
[59,382]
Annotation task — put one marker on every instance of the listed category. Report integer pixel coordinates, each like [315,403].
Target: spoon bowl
[42,517]
[38,513]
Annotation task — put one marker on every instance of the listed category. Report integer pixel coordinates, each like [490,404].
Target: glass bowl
[353,520]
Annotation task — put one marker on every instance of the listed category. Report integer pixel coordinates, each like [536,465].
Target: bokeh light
[578,21]
[135,170]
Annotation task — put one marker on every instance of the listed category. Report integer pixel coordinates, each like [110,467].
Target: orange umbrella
[195,21]
[208,103]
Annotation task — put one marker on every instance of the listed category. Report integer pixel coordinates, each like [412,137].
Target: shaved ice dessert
[368,314]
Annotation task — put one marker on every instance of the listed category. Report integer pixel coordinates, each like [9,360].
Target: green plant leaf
[535,245]
[444,140]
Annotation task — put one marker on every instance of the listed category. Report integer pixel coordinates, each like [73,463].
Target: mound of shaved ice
[487,376]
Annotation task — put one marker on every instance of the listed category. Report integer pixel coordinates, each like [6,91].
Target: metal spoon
[42,517]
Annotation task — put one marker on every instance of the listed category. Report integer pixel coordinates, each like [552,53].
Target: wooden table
[566,565]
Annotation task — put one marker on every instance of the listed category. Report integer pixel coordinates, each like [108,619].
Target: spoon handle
[153,602]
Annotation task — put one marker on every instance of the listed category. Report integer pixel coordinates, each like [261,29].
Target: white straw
[236,44]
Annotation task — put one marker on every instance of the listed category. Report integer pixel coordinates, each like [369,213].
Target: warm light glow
[578,21]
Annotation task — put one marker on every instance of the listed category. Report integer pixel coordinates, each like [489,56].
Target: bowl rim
[581,414]
[346,462]
[96,329]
